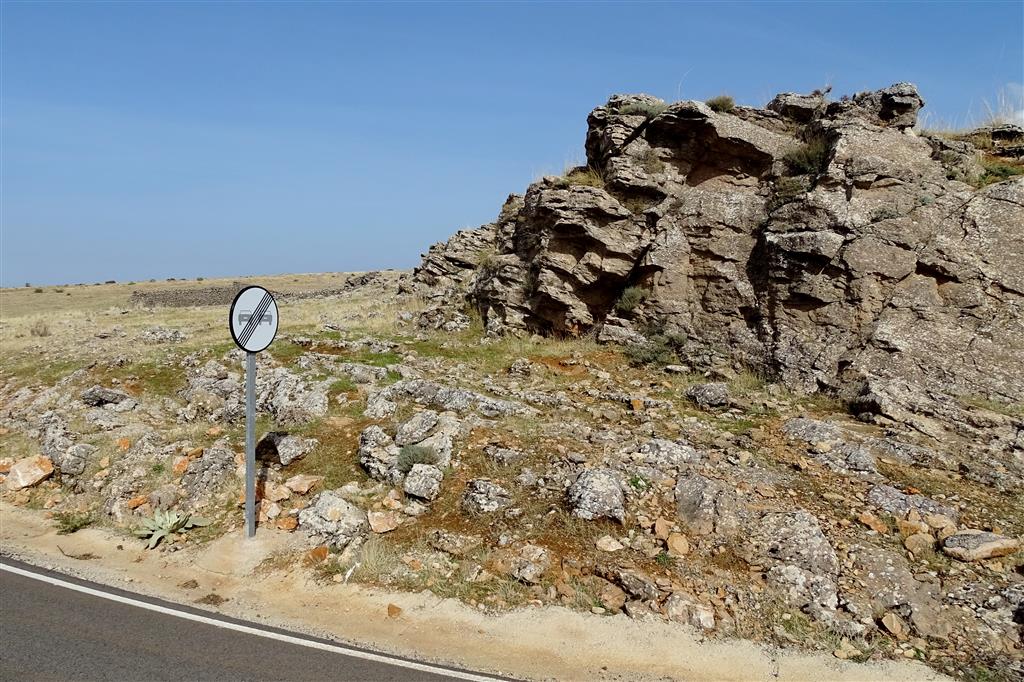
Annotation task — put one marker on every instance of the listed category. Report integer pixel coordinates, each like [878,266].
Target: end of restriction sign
[253,319]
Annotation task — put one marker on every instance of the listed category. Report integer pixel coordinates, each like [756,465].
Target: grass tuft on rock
[722,104]
[630,298]
[809,158]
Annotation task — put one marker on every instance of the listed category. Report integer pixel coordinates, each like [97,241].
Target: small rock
[423,481]
[483,496]
[709,395]
[530,563]
[678,545]
[608,544]
[684,608]
[98,396]
[976,545]
[382,522]
[416,428]
[303,483]
[394,610]
[918,543]
[873,522]
[28,471]
[597,493]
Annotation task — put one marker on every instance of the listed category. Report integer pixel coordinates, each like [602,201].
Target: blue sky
[151,139]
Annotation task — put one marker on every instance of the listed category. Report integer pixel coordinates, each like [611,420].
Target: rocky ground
[756,373]
[519,472]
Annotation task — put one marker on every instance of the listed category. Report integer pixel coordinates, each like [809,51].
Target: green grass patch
[997,170]
[72,522]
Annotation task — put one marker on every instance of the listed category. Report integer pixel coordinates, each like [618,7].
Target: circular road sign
[253,319]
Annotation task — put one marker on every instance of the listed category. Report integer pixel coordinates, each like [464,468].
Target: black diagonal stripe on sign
[250,328]
[260,311]
[249,323]
[256,318]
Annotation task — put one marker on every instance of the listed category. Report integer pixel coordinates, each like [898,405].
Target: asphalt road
[49,632]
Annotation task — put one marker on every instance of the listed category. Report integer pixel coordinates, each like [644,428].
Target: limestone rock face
[824,244]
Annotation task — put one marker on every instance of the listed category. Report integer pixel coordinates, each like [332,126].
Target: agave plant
[165,523]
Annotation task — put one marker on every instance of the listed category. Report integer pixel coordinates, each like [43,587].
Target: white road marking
[323,646]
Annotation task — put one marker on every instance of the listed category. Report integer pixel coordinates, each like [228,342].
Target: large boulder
[823,244]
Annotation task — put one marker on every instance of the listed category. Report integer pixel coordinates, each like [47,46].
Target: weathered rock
[483,496]
[378,454]
[423,481]
[73,460]
[890,586]
[976,545]
[98,395]
[800,108]
[416,428]
[333,520]
[597,493]
[899,503]
[453,543]
[504,455]
[705,505]
[638,584]
[280,448]
[804,565]
[206,474]
[530,563]
[709,395]
[852,278]
[303,483]
[685,608]
[28,471]
[667,455]
[382,521]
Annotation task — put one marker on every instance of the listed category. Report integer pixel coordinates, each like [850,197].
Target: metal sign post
[253,322]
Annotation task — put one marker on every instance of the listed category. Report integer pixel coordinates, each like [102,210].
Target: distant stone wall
[186,297]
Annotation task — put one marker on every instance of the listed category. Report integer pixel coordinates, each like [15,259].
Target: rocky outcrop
[824,244]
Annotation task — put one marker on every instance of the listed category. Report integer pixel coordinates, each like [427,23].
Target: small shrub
[631,297]
[415,454]
[72,522]
[639,483]
[883,213]
[651,162]
[157,468]
[39,328]
[809,158]
[38,290]
[722,104]
[58,290]
[656,351]
[487,263]
[588,177]
[648,109]
[665,560]
[199,279]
